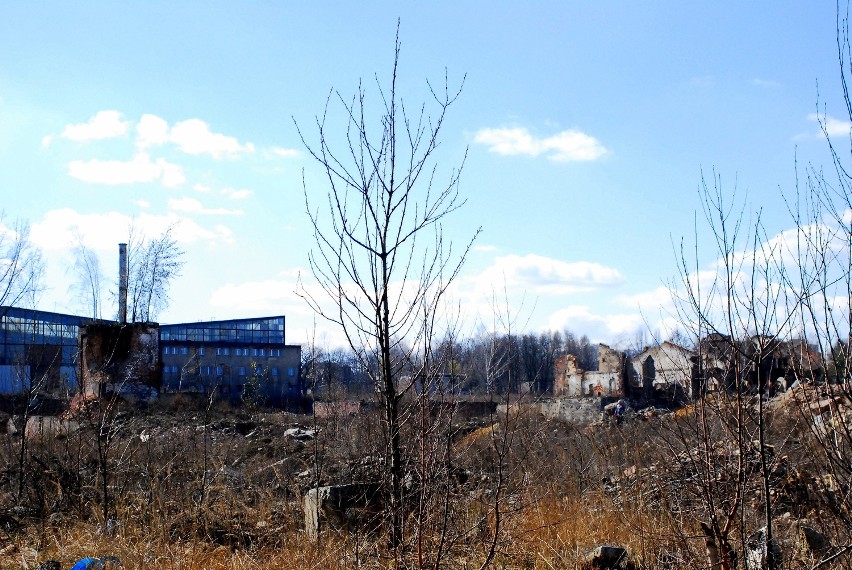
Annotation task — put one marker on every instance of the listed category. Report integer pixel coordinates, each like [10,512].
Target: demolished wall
[573,382]
[119,358]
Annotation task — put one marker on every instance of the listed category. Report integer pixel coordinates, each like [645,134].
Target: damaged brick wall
[119,358]
[573,382]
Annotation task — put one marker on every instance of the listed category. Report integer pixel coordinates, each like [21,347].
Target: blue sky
[588,126]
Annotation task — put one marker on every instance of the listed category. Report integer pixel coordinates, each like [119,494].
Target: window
[201,351]
[274,352]
[291,372]
[274,371]
[223,352]
[219,370]
[184,350]
[242,370]
[259,352]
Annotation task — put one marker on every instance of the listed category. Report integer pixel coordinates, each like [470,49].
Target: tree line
[485,364]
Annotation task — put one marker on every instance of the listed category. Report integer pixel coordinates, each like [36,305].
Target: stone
[300,434]
[49,426]
[757,554]
[608,557]
[813,543]
[342,507]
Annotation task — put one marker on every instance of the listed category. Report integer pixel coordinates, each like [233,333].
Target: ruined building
[573,382]
[119,357]
[662,372]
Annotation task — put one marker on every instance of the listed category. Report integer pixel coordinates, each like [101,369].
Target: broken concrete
[342,507]
[39,427]
[608,557]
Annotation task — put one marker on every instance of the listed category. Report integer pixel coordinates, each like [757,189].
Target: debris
[300,434]
[341,507]
[608,557]
[758,552]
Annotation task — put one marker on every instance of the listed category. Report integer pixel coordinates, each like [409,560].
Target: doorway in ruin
[649,374]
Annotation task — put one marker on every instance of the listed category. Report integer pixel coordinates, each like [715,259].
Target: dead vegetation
[209,488]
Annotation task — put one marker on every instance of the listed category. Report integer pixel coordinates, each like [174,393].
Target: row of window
[225,351]
[56,354]
[37,327]
[220,370]
[248,330]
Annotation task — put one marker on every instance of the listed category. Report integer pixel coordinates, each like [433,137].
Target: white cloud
[236,194]
[202,188]
[151,130]
[581,320]
[138,170]
[191,205]
[833,127]
[269,296]
[172,174]
[104,125]
[544,275]
[99,231]
[565,146]
[103,231]
[193,136]
[485,248]
[703,81]
[286,152]
[654,300]
[143,203]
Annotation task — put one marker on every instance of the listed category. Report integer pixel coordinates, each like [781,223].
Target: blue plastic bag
[88,564]
[94,563]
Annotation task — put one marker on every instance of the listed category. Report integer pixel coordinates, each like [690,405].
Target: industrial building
[237,359]
[38,350]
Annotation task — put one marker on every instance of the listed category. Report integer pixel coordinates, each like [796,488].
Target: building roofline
[9,310]
[221,321]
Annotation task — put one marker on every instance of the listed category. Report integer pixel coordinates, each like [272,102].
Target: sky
[587,125]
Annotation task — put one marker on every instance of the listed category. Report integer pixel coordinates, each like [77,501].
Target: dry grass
[225,492]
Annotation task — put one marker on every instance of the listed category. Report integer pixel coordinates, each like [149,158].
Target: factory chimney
[122,283]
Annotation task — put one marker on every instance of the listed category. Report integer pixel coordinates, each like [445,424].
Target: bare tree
[153,265]
[822,282]
[87,283]
[21,265]
[21,270]
[380,259]
[732,316]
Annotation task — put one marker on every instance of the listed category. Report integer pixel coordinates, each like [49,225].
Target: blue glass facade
[230,357]
[236,359]
[40,346]
[266,330]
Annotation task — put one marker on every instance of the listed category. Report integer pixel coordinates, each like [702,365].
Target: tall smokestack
[122,283]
